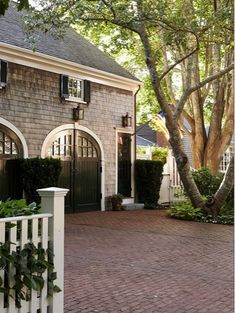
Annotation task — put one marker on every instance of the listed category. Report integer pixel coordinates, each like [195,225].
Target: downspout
[135,96]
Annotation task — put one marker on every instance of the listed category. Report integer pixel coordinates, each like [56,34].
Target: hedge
[36,173]
[148,182]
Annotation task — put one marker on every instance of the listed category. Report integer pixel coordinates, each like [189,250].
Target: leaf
[53,276]
[39,281]
[56,289]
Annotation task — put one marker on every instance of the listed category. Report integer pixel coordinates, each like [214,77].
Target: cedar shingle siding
[32,103]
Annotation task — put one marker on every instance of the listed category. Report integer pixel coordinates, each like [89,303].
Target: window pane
[84,141]
[79,152]
[75,86]
[94,153]
[84,152]
[90,152]
[79,141]
[7,147]
[14,148]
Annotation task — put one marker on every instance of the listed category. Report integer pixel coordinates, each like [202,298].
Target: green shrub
[148,181]
[11,208]
[206,182]
[208,185]
[159,154]
[38,173]
[185,212]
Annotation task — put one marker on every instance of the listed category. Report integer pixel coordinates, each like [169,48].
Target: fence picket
[34,303]
[11,273]
[2,240]
[23,240]
[44,242]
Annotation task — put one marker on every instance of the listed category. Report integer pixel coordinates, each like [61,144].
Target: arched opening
[10,149]
[80,156]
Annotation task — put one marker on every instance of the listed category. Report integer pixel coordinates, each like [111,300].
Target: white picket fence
[51,235]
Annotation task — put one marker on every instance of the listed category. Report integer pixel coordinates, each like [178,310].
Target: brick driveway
[143,262]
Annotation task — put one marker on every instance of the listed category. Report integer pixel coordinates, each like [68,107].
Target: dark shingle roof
[145,131]
[140,141]
[73,47]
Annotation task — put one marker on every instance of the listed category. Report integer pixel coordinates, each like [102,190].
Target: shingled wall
[31,102]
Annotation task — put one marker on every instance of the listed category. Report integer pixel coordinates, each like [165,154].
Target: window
[75,89]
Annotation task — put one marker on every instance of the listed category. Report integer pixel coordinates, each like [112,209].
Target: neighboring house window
[75,89]
[226,158]
[3,74]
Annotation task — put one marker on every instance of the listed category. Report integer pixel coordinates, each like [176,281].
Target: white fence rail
[49,234]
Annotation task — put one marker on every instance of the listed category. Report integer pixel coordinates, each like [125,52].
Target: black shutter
[3,73]
[87,91]
[64,86]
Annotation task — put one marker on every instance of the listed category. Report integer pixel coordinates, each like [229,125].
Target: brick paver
[143,262]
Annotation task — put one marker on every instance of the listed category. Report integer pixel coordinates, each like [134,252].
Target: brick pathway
[143,262]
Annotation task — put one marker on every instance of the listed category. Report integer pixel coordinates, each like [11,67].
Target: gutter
[53,64]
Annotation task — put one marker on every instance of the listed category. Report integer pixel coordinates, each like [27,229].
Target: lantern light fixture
[78,114]
[126,120]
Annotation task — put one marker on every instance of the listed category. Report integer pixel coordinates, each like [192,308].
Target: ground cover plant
[207,184]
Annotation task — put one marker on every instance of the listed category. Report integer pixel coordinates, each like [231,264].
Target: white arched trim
[88,131]
[19,135]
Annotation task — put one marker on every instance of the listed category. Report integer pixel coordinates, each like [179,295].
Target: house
[67,100]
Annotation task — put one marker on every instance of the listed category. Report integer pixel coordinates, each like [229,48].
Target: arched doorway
[10,149]
[81,168]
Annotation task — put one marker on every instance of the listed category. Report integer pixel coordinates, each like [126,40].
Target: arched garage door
[10,149]
[81,168]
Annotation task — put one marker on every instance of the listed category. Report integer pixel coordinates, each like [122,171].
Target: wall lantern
[78,114]
[126,120]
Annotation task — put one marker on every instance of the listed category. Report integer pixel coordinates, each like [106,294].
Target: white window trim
[18,133]
[76,99]
[129,130]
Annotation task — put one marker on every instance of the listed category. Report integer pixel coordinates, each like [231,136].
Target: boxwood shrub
[148,182]
[37,173]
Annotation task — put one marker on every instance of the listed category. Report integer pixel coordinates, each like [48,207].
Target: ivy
[28,264]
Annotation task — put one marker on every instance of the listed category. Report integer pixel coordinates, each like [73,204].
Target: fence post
[52,201]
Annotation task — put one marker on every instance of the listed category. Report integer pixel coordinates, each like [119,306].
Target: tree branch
[190,90]
[180,60]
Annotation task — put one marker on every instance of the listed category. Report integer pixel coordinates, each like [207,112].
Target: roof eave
[49,63]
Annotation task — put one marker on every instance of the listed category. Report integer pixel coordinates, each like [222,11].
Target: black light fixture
[78,114]
[126,120]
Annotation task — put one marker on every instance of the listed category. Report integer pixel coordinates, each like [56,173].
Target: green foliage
[17,208]
[38,173]
[208,185]
[160,154]
[187,212]
[141,150]
[148,181]
[21,4]
[206,182]
[116,201]
[29,264]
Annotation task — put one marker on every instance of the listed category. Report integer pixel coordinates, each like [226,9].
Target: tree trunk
[172,126]
[222,193]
